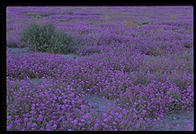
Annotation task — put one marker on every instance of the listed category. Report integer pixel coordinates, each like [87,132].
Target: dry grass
[130,23]
[172,17]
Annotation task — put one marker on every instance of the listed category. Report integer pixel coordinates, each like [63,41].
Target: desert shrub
[45,38]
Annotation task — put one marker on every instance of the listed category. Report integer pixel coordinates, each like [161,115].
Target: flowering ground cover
[132,70]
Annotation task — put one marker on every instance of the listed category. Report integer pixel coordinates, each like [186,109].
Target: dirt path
[183,121]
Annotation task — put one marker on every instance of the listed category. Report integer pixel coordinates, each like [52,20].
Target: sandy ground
[182,121]
[18,51]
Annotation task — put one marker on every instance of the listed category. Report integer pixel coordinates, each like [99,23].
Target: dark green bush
[45,38]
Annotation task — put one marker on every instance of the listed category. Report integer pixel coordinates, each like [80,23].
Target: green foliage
[70,13]
[36,15]
[64,20]
[45,38]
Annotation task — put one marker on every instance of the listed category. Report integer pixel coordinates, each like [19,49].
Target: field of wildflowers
[133,67]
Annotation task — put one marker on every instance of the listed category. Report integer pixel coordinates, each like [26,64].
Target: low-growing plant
[36,15]
[45,38]
[70,13]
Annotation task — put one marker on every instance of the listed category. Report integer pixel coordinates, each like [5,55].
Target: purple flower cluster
[139,57]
